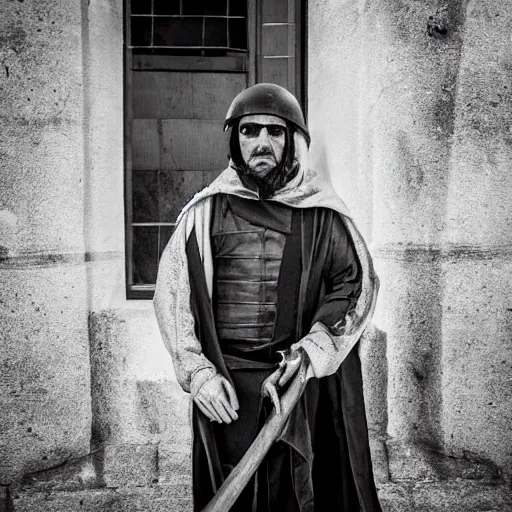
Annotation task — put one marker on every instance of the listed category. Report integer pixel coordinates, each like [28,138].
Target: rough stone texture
[455,496]
[411,320]
[81,473]
[117,465]
[127,499]
[372,351]
[174,463]
[477,359]
[104,169]
[479,184]
[4,494]
[103,69]
[409,110]
[461,497]
[41,152]
[45,397]
[477,317]
[126,465]
[136,398]
[45,375]
[408,463]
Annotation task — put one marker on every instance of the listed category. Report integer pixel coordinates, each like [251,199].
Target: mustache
[266,151]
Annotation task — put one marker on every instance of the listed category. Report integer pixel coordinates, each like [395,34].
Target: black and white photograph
[256,256]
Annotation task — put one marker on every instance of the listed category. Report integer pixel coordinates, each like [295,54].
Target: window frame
[250,63]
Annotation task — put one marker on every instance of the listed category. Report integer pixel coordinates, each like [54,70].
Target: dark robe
[328,422]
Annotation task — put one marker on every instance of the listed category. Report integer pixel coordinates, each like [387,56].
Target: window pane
[178,32]
[140,6]
[238,7]
[167,6]
[276,39]
[197,144]
[215,32]
[145,196]
[205,7]
[141,31]
[145,143]
[209,176]
[145,254]
[238,34]
[176,189]
[165,235]
[276,71]
[273,11]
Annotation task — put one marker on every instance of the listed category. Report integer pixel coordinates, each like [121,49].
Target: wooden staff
[243,471]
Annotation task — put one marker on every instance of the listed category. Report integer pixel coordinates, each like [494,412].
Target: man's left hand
[288,367]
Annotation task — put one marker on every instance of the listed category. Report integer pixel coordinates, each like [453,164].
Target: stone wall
[62,248]
[44,362]
[409,108]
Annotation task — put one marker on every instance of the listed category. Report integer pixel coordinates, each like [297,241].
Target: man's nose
[263,137]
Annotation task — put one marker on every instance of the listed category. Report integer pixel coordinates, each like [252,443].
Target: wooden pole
[243,471]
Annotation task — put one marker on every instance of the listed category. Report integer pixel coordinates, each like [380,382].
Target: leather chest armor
[247,261]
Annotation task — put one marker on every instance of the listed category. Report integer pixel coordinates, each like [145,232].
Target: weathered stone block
[414,462]
[83,473]
[408,461]
[409,312]
[112,466]
[130,465]
[479,182]
[380,461]
[104,202]
[41,148]
[477,359]
[395,498]
[154,499]
[374,367]
[44,367]
[136,399]
[449,496]
[461,496]
[44,362]
[409,115]
[175,463]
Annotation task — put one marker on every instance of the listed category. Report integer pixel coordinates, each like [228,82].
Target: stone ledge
[128,499]
[448,496]
[111,466]
[416,463]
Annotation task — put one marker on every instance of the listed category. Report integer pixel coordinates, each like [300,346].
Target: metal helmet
[270,99]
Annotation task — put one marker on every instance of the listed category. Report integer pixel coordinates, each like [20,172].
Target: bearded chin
[267,185]
[273,181]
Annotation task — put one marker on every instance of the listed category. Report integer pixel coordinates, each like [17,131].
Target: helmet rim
[267,99]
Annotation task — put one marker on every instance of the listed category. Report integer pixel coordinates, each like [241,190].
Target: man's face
[262,139]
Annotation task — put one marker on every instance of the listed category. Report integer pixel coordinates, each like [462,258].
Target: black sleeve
[342,278]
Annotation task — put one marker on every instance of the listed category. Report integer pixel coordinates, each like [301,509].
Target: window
[185,60]
[189,24]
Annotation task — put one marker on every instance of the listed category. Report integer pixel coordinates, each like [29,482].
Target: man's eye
[250,130]
[275,131]
[253,130]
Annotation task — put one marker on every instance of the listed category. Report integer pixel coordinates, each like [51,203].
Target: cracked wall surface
[44,362]
[409,103]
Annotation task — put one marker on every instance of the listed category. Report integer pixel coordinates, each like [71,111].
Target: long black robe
[329,421]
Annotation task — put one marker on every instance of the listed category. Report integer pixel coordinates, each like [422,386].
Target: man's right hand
[217,400]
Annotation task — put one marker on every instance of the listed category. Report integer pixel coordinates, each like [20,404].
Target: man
[265,271]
